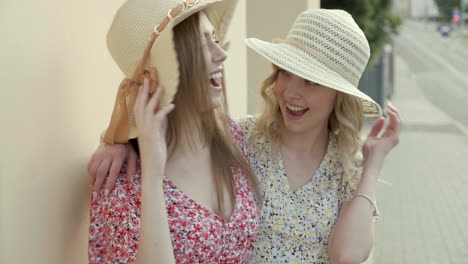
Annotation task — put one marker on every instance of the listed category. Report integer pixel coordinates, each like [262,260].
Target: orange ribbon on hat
[122,125]
[122,120]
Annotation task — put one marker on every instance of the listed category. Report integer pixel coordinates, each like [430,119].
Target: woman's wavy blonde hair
[345,122]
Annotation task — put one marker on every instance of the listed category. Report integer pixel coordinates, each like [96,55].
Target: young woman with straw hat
[317,175]
[307,149]
[193,196]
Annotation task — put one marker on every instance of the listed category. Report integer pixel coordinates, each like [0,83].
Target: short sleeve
[347,190]
[115,223]
[239,137]
[247,126]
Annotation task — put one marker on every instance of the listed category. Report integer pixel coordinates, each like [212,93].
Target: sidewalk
[425,210]
[460,33]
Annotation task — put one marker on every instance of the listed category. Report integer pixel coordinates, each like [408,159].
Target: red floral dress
[198,235]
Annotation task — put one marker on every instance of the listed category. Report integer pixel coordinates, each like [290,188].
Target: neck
[187,145]
[311,143]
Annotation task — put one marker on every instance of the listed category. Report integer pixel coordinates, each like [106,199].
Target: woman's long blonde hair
[194,113]
[345,122]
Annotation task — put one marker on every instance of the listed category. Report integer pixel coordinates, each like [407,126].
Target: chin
[294,127]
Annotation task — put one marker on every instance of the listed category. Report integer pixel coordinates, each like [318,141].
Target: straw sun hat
[140,40]
[325,47]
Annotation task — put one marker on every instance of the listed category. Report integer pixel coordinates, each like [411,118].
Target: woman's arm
[155,241]
[352,237]
[105,165]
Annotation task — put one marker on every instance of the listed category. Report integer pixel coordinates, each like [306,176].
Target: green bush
[375,18]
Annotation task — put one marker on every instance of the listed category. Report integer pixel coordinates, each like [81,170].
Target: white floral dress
[294,225]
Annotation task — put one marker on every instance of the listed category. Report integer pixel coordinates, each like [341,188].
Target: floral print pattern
[294,225]
[198,235]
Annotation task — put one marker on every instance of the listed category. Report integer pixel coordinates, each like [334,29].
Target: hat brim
[129,37]
[219,13]
[300,63]
[164,56]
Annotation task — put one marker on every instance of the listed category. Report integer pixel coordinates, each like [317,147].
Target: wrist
[373,164]
[153,167]
[152,162]
[372,202]
[154,181]
[374,155]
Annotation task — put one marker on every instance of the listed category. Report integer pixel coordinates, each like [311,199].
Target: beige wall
[59,83]
[57,77]
[236,72]
[313,4]
[58,87]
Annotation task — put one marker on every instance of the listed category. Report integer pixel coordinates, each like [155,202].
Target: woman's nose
[220,55]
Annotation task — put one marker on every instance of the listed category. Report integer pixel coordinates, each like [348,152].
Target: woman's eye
[215,39]
[283,72]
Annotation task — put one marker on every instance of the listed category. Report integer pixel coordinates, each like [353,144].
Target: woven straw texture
[326,47]
[129,35]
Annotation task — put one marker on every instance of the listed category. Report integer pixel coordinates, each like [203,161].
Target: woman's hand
[353,234]
[151,122]
[380,146]
[106,162]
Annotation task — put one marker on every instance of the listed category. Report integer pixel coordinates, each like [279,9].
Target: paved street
[439,66]
[425,210]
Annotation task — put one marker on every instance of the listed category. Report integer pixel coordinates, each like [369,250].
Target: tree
[374,17]
[446,6]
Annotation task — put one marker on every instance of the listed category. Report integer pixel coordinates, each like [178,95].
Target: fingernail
[106,192]
[95,196]
[146,81]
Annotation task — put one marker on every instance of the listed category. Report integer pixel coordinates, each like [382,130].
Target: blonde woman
[192,199]
[317,175]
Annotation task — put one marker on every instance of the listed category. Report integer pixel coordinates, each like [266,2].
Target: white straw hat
[325,47]
[140,40]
